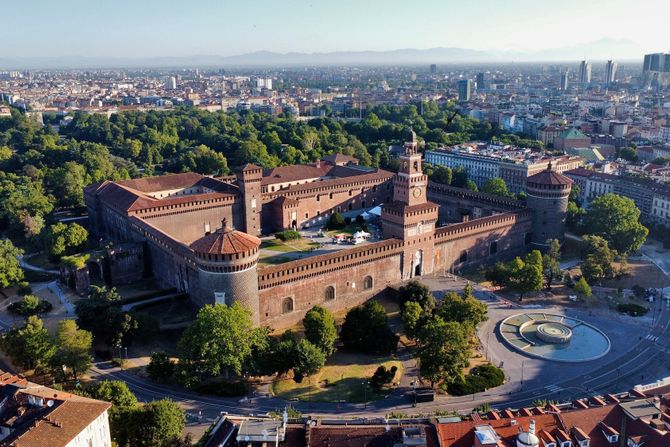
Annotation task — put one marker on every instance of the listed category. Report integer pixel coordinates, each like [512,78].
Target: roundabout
[554,337]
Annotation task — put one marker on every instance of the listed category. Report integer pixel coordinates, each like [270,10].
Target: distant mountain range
[598,50]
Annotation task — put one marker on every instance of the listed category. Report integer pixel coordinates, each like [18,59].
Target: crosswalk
[651,337]
[553,388]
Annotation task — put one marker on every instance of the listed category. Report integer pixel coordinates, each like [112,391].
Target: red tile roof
[226,241]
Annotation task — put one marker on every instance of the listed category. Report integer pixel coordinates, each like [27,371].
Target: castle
[200,234]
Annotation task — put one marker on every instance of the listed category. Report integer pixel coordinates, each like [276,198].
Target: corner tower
[410,216]
[226,261]
[547,195]
[249,180]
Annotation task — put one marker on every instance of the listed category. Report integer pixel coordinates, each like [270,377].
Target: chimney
[318,163]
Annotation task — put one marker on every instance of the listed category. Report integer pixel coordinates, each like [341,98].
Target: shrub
[360,220]
[583,288]
[479,379]
[634,310]
[382,376]
[288,235]
[347,220]
[30,305]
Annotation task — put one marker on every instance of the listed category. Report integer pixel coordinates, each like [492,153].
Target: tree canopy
[616,219]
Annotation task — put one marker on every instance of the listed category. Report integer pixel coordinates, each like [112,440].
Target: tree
[309,359]
[442,350]
[464,309]
[220,339]
[320,329]
[115,392]
[10,269]
[123,403]
[419,293]
[67,184]
[582,287]
[156,424]
[104,319]
[29,346]
[496,186]
[441,174]
[520,275]
[74,347]
[471,185]
[629,154]
[598,259]
[335,221]
[203,160]
[65,239]
[161,367]
[30,305]
[412,317]
[616,219]
[551,267]
[529,277]
[365,329]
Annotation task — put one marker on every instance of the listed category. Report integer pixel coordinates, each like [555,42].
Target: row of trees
[442,332]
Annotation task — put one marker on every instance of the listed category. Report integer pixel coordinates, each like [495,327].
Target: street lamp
[522,367]
[365,395]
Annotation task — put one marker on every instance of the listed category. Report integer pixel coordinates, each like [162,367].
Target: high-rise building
[656,69]
[464,90]
[481,81]
[564,80]
[171,83]
[610,72]
[433,69]
[585,73]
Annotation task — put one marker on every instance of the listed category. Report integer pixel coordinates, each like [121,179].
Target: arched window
[287,305]
[330,293]
[493,247]
[463,257]
[367,283]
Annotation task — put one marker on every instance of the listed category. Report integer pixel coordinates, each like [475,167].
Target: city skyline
[524,30]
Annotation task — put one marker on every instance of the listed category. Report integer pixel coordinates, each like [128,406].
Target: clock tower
[410,216]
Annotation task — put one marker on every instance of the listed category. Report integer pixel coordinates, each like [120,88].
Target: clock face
[417,192]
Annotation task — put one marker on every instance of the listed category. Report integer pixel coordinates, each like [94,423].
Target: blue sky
[145,28]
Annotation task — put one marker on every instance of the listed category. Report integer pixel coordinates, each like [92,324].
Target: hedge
[479,379]
[634,310]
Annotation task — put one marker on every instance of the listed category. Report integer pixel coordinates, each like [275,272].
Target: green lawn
[344,378]
[349,229]
[289,246]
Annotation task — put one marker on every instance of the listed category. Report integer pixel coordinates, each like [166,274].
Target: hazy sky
[145,28]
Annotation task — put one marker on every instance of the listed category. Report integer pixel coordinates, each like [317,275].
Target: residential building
[33,415]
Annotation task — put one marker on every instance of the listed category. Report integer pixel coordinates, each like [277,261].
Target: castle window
[493,247]
[367,283]
[287,305]
[330,293]
[330,196]
[463,257]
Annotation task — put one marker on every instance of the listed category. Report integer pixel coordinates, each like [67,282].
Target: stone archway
[417,263]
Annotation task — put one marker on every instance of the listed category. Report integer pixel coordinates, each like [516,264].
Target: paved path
[55,288]
[24,264]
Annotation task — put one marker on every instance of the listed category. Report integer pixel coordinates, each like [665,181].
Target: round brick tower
[226,262]
[547,196]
